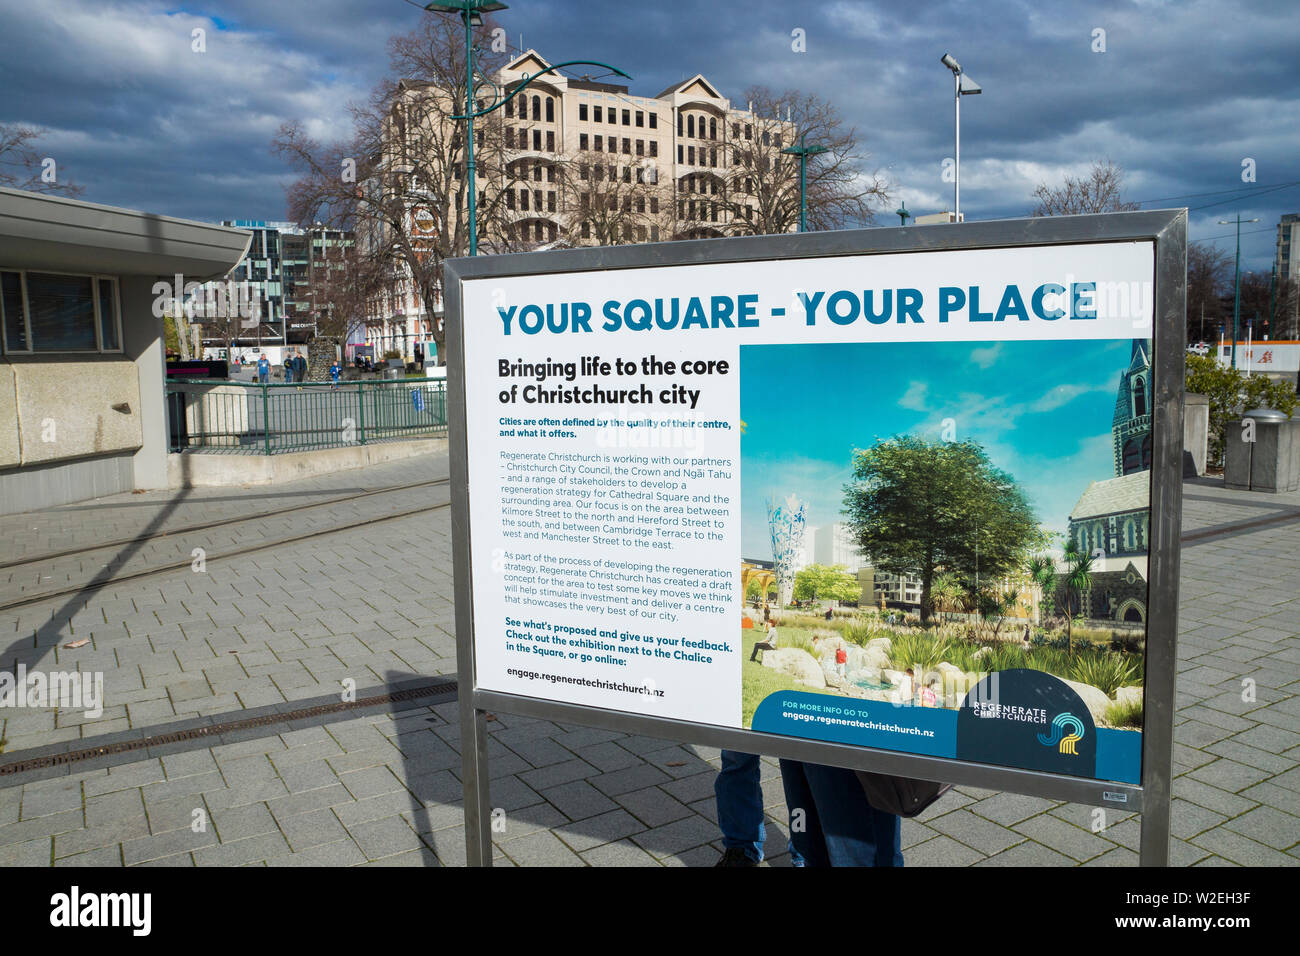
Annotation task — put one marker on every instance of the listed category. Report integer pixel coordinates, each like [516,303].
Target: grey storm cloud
[1182,94]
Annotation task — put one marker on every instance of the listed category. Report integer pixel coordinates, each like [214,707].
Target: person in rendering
[263,369]
[831,822]
[841,661]
[335,371]
[300,367]
[288,370]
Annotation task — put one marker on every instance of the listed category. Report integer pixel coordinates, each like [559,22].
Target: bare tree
[610,204]
[22,167]
[341,289]
[761,194]
[1098,191]
[399,184]
[1269,304]
[1209,271]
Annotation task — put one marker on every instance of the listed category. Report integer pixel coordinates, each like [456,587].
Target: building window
[627,146]
[1139,397]
[582,111]
[596,113]
[627,117]
[523,107]
[537,107]
[584,172]
[713,157]
[654,120]
[680,153]
[690,155]
[537,199]
[640,147]
[510,199]
[767,138]
[48,312]
[627,174]
[654,147]
[776,140]
[681,124]
[550,201]
[550,141]
[735,131]
[749,131]
[583,141]
[654,233]
[12,313]
[640,118]
[597,142]
[713,128]
[586,230]
[690,125]
[654,204]
[550,110]
[523,200]
[537,172]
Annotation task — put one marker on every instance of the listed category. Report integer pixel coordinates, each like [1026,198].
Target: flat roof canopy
[40,231]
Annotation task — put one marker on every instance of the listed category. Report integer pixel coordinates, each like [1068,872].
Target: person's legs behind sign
[831,822]
[740,809]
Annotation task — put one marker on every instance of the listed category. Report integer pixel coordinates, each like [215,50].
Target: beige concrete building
[81,343]
[591,163]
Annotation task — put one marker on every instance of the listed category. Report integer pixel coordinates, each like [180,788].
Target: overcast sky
[1184,92]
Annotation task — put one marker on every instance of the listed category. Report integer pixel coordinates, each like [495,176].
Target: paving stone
[1028,853]
[384,837]
[1268,826]
[578,800]
[675,837]
[1240,849]
[622,853]
[978,833]
[542,848]
[942,851]
[1007,808]
[1064,837]
[654,808]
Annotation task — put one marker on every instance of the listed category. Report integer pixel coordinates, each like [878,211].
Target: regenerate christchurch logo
[1067,730]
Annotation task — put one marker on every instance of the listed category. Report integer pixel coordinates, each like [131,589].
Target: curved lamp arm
[550,69]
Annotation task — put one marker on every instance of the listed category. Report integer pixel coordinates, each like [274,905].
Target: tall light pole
[471,12]
[1236,283]
[963,85]
[803,151]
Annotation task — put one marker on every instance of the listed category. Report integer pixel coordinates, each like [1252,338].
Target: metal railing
[231,417]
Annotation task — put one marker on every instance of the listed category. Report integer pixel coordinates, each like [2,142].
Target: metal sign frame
[1167,229]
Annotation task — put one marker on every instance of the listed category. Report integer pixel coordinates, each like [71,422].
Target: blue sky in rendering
[1183,93]
[1042,411]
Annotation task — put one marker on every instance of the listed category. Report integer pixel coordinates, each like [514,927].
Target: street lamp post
[1236,283]
[963,85]
[471,12]
[803,151]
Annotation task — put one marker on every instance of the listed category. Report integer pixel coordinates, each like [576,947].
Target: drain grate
[444,688]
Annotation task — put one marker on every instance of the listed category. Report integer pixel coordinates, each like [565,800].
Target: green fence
[219,416]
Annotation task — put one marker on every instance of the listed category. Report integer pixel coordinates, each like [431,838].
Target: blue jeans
[840,828]
[739,795]
[740,804]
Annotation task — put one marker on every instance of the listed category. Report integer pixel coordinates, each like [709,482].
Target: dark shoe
[734,856]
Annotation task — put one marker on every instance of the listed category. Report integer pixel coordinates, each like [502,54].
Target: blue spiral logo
[1067,729]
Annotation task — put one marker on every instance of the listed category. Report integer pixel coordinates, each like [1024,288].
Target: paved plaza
[298,607]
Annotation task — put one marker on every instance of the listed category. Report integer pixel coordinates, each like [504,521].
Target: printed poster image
[996,493]
[900,501]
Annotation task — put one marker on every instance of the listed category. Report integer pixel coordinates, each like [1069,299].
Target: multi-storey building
[591,163]
[282,263]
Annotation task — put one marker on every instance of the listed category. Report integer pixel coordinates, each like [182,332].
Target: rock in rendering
[1094,698]
[1129,695]
[799,664]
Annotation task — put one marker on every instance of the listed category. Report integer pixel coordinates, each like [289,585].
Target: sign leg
[474,764]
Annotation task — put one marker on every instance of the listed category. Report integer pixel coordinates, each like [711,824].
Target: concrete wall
[10,446]
[47,486]
[66,409]
[194,470]
[142,334]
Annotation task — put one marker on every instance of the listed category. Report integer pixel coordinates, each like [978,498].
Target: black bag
[902,796]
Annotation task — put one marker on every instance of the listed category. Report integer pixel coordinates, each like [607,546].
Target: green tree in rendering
[827,583]
[916,506]
[1077,581]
